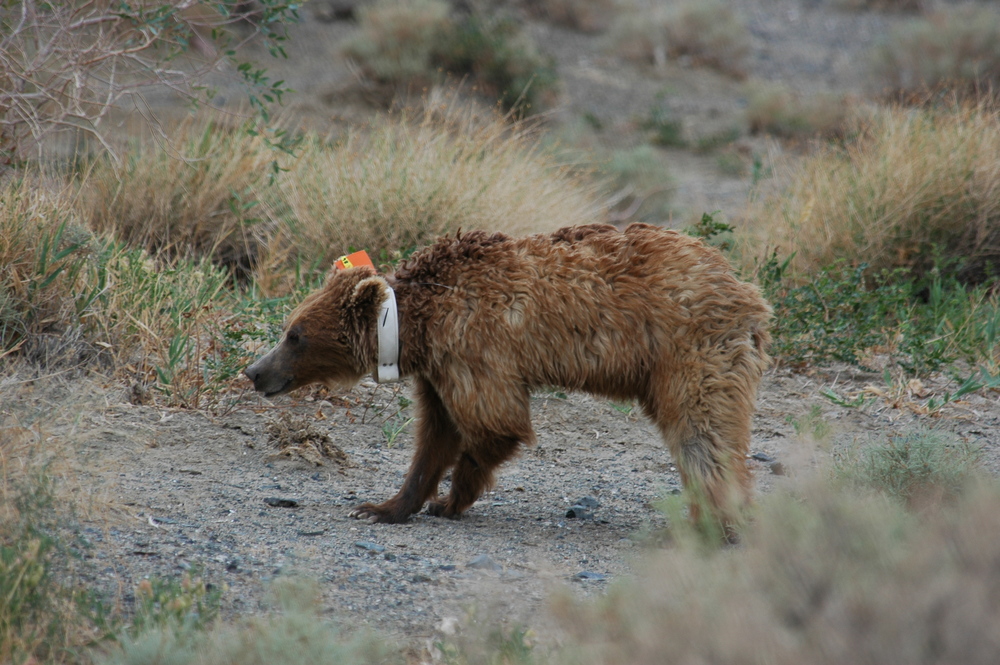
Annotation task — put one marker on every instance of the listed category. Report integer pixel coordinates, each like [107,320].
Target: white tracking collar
[388,339]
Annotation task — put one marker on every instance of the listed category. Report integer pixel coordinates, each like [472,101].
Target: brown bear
[647,314]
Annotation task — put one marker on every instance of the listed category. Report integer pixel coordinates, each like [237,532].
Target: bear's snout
[266,377]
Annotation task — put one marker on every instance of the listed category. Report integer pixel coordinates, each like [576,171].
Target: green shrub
[882,5]
[841,314]
[956,48]
[414,43]
[640,178]
[915,467]
[501,59]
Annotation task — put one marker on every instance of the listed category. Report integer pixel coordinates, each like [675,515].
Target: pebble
[277,502]
[374,548]
[587,575]
[483,562]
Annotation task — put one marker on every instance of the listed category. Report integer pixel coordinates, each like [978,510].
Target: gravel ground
[164,491]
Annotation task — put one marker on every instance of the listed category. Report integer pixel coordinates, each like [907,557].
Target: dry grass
[41,245]
[956,48]
[208,194]
[914,190]
[400,184]
[825,577]
[707,33]
[392,186]
[774,108]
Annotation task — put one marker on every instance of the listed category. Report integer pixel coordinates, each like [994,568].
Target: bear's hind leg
[438,443]
[710,442]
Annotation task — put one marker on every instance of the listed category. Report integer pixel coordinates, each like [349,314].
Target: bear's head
[330,338]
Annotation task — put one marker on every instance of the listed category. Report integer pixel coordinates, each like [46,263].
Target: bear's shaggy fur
[645,314]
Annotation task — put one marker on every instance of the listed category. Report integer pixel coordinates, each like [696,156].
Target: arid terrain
[259,488]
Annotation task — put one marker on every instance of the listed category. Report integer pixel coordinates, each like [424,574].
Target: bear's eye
[292,336]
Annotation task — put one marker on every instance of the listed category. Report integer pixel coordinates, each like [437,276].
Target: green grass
[921,466]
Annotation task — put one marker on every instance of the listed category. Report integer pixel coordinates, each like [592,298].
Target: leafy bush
[412,43]
[956,48]
[912,189]
[501,59]
[774,108]
[842,315]
[708,32]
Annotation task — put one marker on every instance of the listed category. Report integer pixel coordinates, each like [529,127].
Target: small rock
[587,575]
[588,502]
[420,577]
[278,502]
[447,567]
[484,562]
[762,457]
[579,512]
[315,532]
[389,556]
[777,468]
[232,566]
[374,548]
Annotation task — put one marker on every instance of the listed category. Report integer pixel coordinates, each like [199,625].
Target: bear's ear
[367,294]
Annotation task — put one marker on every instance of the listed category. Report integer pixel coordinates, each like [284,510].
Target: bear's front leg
[473,474]
[437,445]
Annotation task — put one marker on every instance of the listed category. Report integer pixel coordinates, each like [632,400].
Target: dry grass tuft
[708,32]
[914,190]
[774,108]
[400,184]
[207,195]
[956,48]
[392,186]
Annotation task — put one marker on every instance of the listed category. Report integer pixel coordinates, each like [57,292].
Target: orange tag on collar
[354,260]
